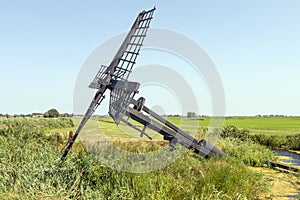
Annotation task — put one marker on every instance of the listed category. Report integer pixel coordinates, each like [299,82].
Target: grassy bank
[283,141]
[30,168]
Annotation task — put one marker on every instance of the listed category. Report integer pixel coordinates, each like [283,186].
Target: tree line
[51,113]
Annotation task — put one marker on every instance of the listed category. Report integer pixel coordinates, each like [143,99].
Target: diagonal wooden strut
[172,132]
[93,106]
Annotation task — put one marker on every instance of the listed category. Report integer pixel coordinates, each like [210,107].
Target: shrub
[248,152]
[234,132]
[271,141]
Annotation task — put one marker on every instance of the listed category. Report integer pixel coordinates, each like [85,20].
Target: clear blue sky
[255,46]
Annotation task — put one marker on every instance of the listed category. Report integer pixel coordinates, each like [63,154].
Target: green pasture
[267,125]
[256,125]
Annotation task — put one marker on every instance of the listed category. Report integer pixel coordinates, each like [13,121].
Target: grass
[284,142]
[30,169]
[272,126]
[36,123]
[267,125]
[256,125]
[272,132]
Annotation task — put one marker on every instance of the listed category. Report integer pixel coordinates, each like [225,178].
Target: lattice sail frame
[120,98]
[131,46]
[100,78]
[125,59]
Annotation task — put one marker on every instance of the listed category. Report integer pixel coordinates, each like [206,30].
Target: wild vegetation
[286,142]
[34,124]
[30,168]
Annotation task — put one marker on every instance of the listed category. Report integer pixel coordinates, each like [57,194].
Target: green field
[256,125]
[267,125]
[272,132]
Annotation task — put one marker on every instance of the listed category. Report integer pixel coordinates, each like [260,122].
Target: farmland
[257,125]
[267,125]
[30,164]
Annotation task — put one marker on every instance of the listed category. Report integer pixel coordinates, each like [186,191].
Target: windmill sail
[123,62]
[126,56]
[120,98]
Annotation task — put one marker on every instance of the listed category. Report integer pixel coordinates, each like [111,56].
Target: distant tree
[66,115]
[51,113]
[191,114]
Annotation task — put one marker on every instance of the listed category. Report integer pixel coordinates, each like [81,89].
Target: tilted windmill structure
[122,103]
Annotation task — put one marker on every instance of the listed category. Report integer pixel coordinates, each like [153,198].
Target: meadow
[30,166]
[272,132]
[255,125]
[267,125]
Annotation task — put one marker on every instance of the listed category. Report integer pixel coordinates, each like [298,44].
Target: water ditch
[291,158]
[288,183]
